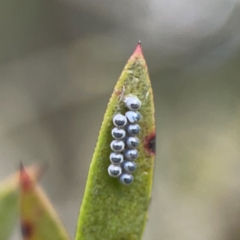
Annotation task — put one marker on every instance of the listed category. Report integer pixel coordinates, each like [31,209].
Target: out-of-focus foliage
[55,53]
[39,220]
[9,201]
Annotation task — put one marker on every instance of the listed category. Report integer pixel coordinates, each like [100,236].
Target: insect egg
[114,171]
[116,158]
[117,146]
[131,154]
[133,117]
[133,103]
[129,166]
[126,178]
[118,133]
[132,142]
[133,129]
[119,120]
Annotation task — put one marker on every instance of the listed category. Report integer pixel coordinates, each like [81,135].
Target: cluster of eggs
[124,145]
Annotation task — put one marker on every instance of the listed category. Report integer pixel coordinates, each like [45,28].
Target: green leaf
[9,200]
[111,210]
[39,221]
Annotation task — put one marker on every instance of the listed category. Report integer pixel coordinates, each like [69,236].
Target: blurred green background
[59,62]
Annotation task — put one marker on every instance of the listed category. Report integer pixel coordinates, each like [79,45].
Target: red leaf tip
[138,49]
[25,180]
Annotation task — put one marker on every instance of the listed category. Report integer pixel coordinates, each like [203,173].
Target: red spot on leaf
[150,143]
[118,92]
[26,229]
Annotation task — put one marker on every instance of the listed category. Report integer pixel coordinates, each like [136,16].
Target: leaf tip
[21,166]
[25,180]
[138,49]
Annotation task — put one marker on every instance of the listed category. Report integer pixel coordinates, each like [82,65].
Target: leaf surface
[111,210]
